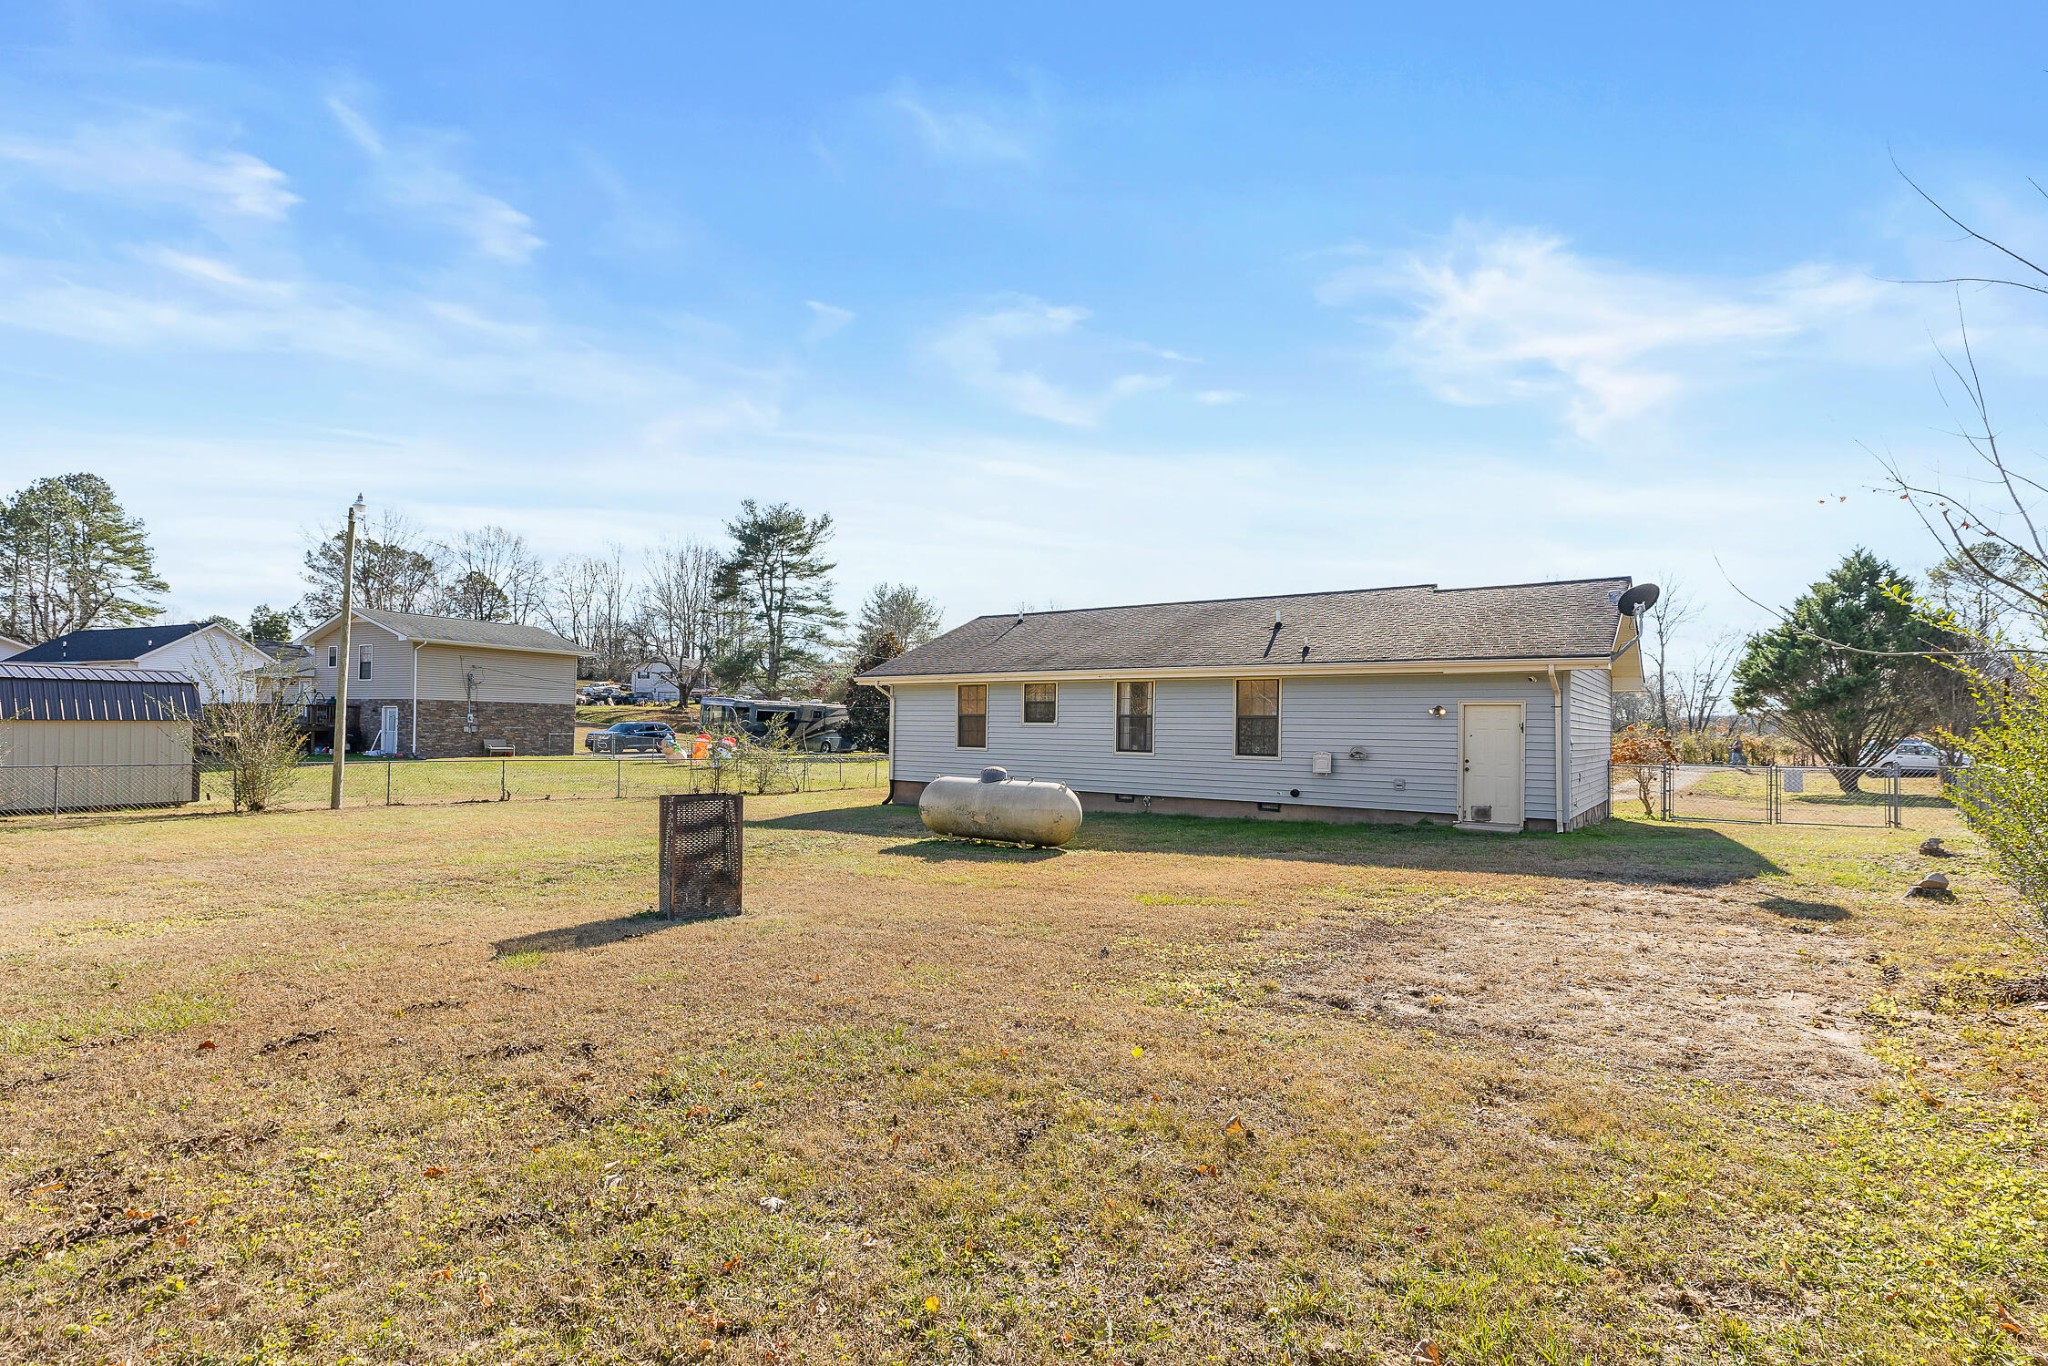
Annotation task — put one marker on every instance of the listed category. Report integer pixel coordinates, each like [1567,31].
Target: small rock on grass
[1933,848]
[774,1204]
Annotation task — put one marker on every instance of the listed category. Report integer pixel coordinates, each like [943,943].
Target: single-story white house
[82,738]
[1486,707]
[445,687]
[10,647]
[656,682]
[206,652]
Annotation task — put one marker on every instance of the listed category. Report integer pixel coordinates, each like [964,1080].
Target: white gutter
[416,698]
[890,781]
[1561,801]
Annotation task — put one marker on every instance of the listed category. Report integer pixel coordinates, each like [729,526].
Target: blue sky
[1071,305]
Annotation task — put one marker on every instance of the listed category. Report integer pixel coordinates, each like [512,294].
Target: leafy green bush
[2003,793]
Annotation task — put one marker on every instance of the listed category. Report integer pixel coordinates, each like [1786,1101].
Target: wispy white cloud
[982,351]
[826,319]
[968,130]
[1216,398]
[1518,316]
[413,173]
[151,161]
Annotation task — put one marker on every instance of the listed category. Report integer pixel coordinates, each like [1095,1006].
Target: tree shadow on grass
[1803,910]
[594,934]
[1620,851]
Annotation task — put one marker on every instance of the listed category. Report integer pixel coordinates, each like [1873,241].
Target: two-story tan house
[445,687]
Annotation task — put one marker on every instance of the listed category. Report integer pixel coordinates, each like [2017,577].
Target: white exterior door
[387,738]
[1490,760]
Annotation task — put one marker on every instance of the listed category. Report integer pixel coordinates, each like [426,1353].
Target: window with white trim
[333,652]
[1041,704]
[971,729]
[363,662]
[1258,718]
[1134,718]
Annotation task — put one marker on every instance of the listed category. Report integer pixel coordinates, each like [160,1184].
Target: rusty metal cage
[701,854]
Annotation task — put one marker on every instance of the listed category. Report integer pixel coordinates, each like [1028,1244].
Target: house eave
[1261,668]
[360,615]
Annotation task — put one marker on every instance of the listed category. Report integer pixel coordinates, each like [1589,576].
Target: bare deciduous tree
[492,558]
[680,617]
[591,602]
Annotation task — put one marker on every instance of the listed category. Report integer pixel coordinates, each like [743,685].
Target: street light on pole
[342,662]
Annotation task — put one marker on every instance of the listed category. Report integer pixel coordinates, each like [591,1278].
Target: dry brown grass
[425,1084]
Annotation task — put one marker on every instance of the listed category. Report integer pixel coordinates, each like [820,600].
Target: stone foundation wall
[529,727]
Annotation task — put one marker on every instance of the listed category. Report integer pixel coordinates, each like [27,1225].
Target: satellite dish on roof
[1638,599]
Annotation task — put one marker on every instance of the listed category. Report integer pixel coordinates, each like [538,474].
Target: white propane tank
[996,806]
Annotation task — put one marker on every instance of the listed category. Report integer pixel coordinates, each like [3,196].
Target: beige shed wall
[24,743]
[94,765]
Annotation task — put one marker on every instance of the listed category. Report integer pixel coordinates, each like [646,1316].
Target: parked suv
[629,737]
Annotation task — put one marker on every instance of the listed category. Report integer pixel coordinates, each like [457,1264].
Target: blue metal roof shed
[78,692]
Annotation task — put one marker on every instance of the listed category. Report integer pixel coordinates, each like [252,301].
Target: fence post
[1897,815]
[387,781]
[56,804]
[618,779]
[504,792]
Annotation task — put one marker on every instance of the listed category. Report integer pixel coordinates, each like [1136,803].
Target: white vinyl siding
[1412,764]
[1589,730]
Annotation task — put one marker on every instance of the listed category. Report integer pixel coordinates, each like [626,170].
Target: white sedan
[1909,758]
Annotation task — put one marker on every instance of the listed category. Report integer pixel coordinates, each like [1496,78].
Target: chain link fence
[1796,794]
[58,789]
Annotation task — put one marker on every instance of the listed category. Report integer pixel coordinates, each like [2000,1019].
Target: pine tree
[1847,671]
[71,558]
[777,575]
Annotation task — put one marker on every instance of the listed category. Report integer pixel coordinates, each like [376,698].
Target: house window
[363,662]
[1134,718]
[1258,718]
[973,724]
[1041,704]
[332,652]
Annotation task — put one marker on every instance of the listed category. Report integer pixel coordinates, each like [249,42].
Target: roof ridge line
[1319,593]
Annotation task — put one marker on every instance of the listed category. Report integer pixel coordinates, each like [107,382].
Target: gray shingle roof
[1419,624]
[497,635]
[76,692]
[107,643]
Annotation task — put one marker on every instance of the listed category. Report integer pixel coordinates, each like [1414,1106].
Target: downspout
[416,697]
[1560,800]
[889,781]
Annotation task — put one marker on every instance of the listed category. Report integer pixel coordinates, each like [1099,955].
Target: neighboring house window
[973,727]
[1258,717]
[332,651]
[1134,718]
[363,663]
[1041,704]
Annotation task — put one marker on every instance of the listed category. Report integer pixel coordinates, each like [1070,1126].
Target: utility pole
[342,662]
